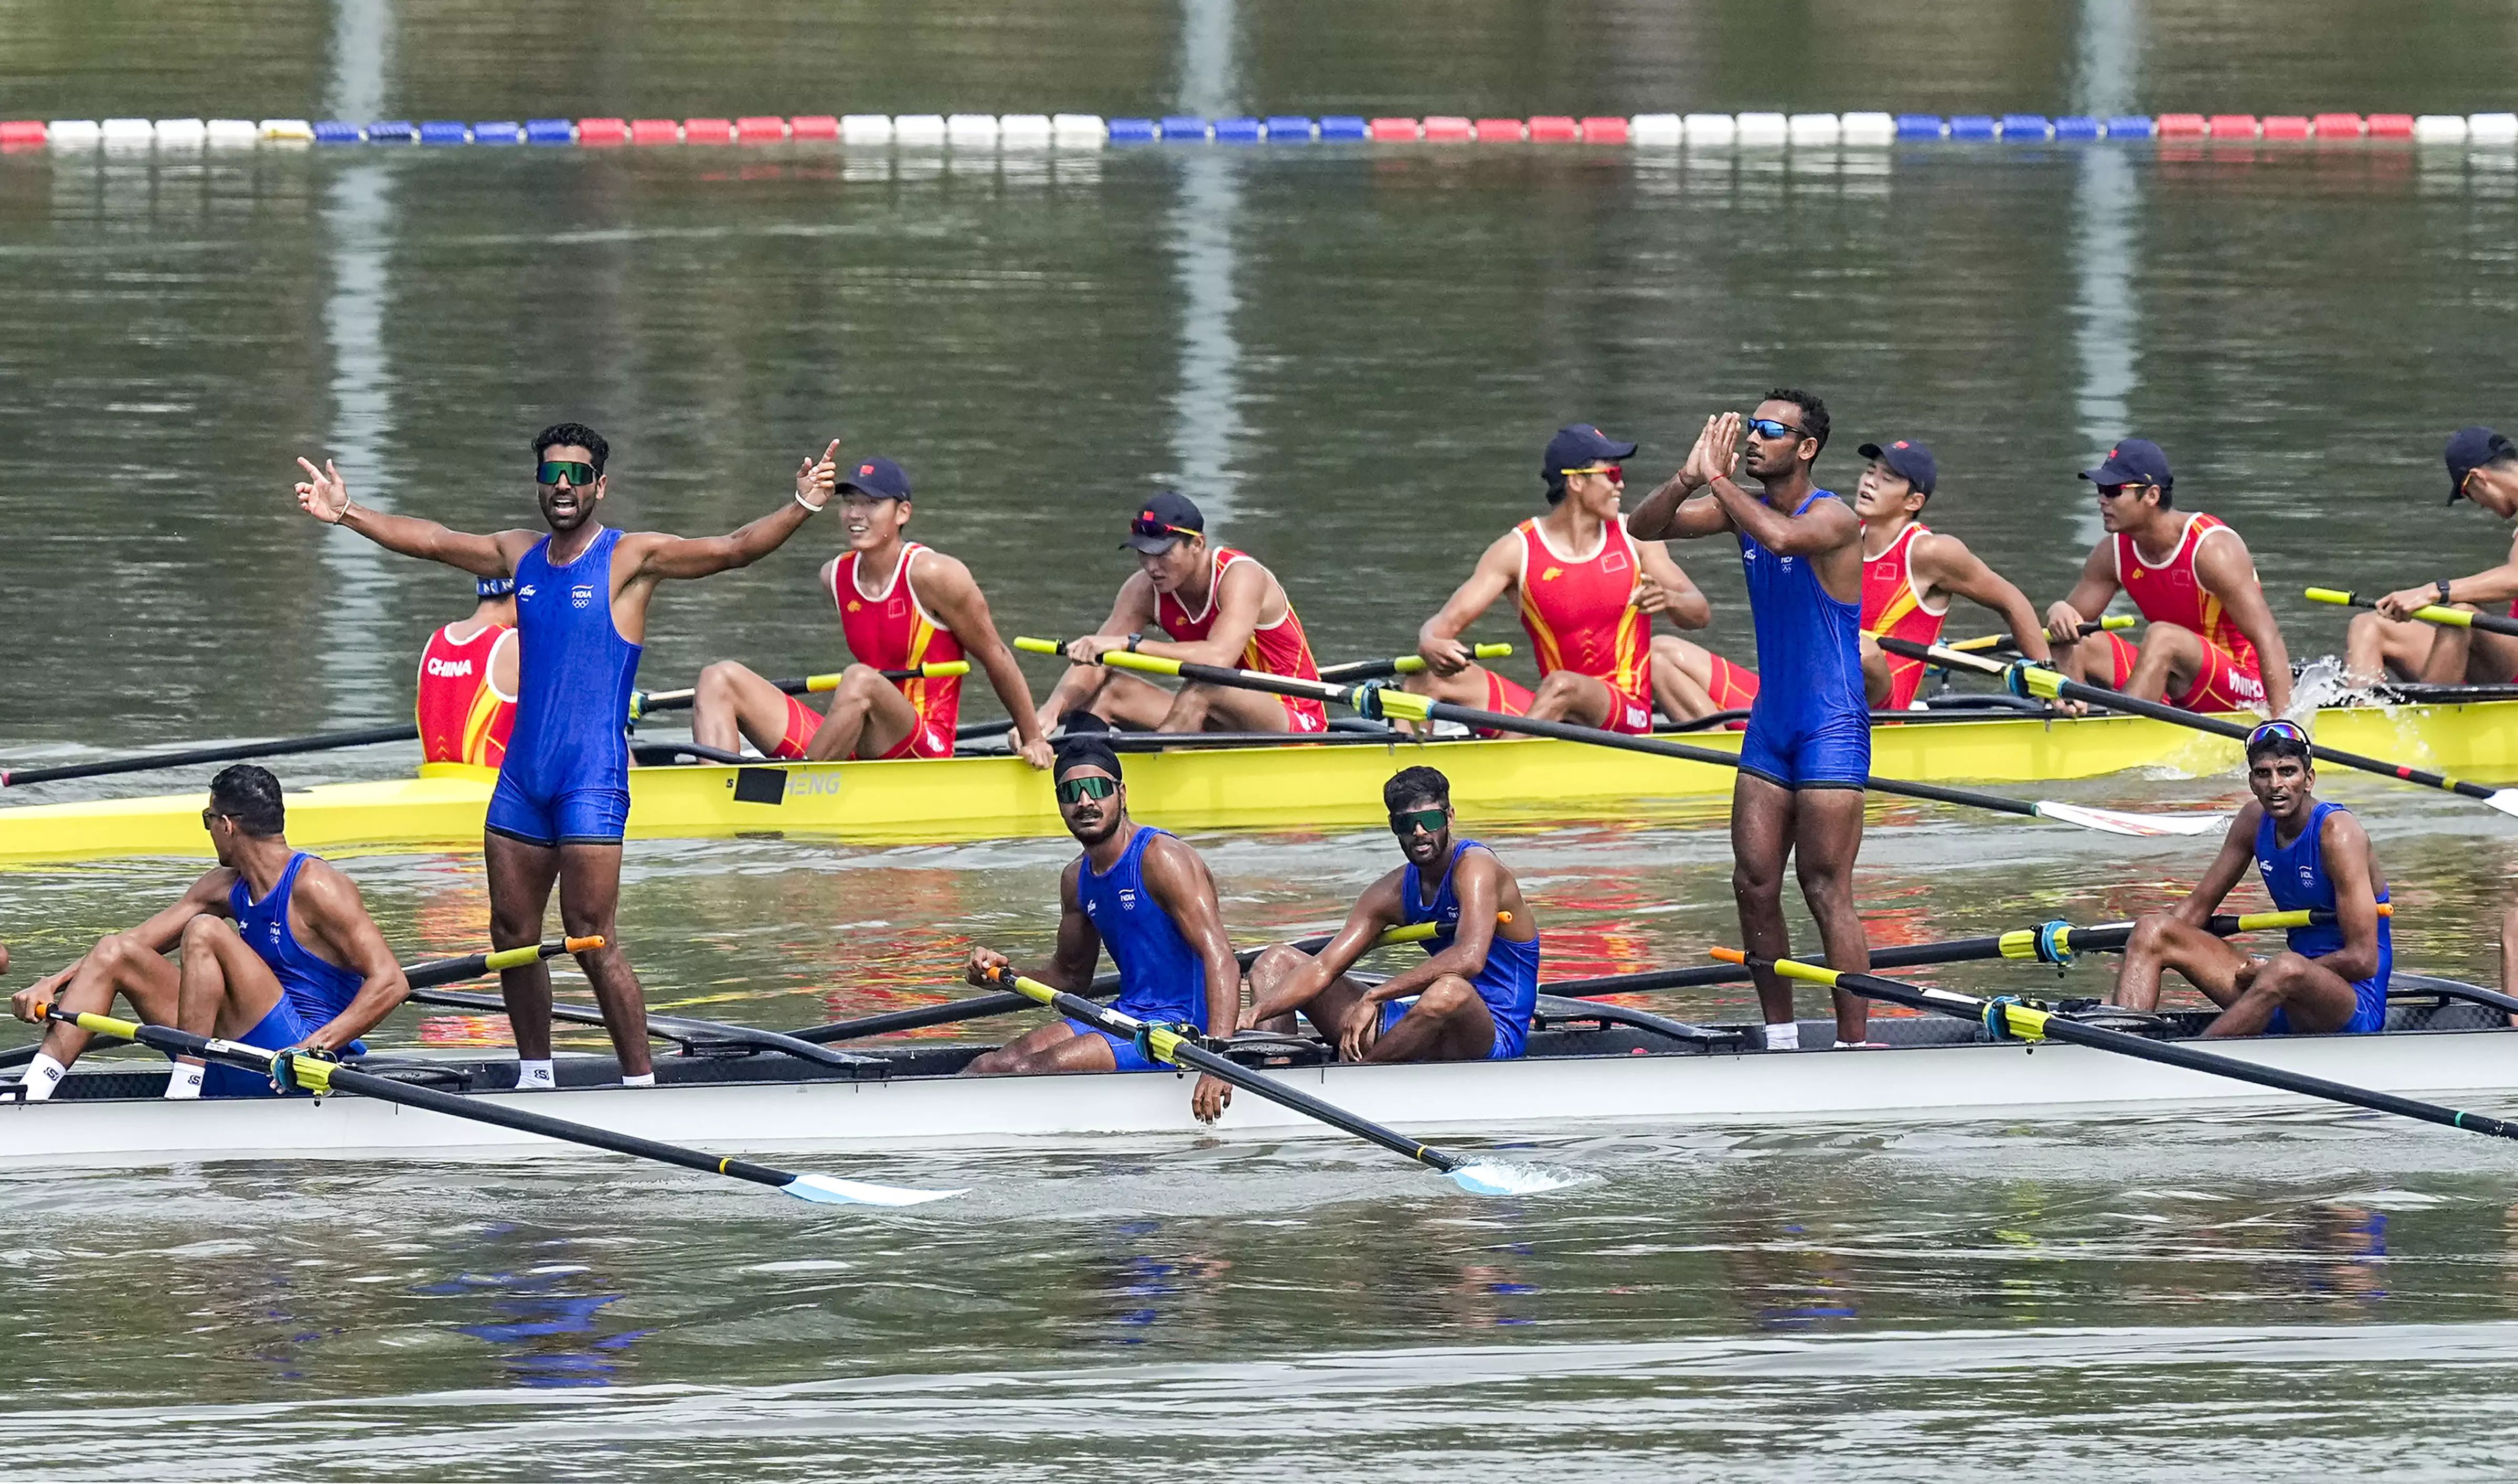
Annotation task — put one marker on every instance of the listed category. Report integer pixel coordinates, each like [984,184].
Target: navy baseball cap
[1162,521]
[2468,450]
[2136,460]
[1579,446]
[878,477]
[1908,459]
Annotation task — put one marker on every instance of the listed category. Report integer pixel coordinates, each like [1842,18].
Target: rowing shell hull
[1279,787]
[1528,1098]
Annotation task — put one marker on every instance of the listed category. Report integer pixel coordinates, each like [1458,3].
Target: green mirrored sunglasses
[1071,790]
[1421,821]
[553,470]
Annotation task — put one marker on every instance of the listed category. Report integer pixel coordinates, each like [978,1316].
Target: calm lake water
[1351,357]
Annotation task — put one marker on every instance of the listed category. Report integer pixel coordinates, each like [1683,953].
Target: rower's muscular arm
[159,934]
[1946,563]
[1438,638]
[1131,612]
[2237,852]
[1240,596]
[344,933]
[1678,510]
[1070,964]
[946,588]
[1478,881]
[2089,596]
[2492,588]
[325,495]
[1669,593]
[650,555]
[1374,911]
[2350,866]
[1177,881]
[2229,573]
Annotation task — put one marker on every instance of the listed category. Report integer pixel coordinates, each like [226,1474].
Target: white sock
[43,1076]
[1850,1045]
[183,1081]
[643,1079]
[531,1075]
[1784,1035]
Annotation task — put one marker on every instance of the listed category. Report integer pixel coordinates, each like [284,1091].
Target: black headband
[1088,750]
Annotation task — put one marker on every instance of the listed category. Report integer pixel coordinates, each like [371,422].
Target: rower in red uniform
[1588,592]
[1909,571]
[900,605]
[468,682]
[2482,467]
[2212,643]
[1219,606]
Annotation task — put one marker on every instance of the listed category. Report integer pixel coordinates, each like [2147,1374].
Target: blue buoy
[1133,131]
[549,131]
[1238,131]
[2026,126]
[1920,126]
[1179,126]
[2130,126]
[1972,126]
[333,131]
[2078,126]
[1344,126]
[394,131]
[444,131]
[501,131]
[1288,129]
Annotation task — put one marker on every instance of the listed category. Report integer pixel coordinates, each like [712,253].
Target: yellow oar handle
[1414,664]
[2428,613]
[1419,931]
[1160,1041]
[518,957]
[2107,624]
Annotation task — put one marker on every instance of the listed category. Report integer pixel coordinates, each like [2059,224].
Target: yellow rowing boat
[1280,787]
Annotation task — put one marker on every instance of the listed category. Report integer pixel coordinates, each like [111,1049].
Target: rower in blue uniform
[1806,756]
[2332,976]
[1473,996]
[1147,896]
[562,802]
[278,952]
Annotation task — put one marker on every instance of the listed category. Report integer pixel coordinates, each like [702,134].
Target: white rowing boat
[1578,1076]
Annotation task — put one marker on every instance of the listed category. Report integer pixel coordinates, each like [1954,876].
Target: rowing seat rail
[1558,1010]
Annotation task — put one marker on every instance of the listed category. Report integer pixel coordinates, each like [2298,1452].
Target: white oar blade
[1488,1177]
[2115,823]
[2504,799]
[826,1190]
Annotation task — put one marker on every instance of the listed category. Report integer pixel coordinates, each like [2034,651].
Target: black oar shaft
[196,756]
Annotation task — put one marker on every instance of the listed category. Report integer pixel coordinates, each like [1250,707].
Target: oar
[194,756]
[687,1034]
[2010,1018]
[1379,702]
[1164,1044]
[1406,663]
[313,1074]
[982,1006]
[2055,942]
[642,702]
[2036,679]
[2429,613]
[427,973]
[1983,642]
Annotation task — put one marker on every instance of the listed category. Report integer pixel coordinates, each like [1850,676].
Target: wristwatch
[2442,586]
[1134,639]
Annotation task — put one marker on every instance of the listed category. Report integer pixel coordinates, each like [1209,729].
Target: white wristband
[809,508]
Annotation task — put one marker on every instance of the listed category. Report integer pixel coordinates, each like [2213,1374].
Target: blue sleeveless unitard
[1810,725]
[1162,980]
[566,778]
[2295,876]
[1509,982]
[313,989]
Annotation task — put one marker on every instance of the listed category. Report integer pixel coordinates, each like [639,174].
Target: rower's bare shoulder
[327,887]
[213,888]
[931,570]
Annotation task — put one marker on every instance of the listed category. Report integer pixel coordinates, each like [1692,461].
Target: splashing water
[1494,1177]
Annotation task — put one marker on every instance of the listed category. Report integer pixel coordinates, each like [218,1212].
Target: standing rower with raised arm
[2482,467]
[1586,591]
[1473,996]
[278,951]
[562,802]
[2330,976]
[1219,606]
[466,705]
[1910,571]
[2210,644]
[1806,755]
[923,608]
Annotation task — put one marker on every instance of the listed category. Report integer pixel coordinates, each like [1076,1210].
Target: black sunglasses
[1076,790]
[1420,823]
[553,470]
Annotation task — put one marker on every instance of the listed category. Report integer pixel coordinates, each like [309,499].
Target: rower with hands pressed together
[1473,996]
[1147,895]
[2482,467]
[1806,758]
[276,951]
[2329,978]
[923,608]
[561,807]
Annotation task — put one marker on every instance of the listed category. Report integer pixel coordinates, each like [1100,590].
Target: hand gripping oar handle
[2428,613]
[642,703]
[195,756]
[2013,1019]
[2107,624]
[1165,1044]
[2053,943]
[1406,663]
[2025,678]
